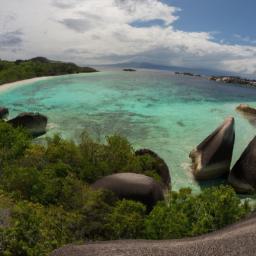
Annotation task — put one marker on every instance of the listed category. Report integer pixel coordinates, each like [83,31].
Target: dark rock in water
[248,112]
[243,175]
[186,74]
[34,123]
[159,165]
[129,69]
[244,108]
[233,80]
[212,158]
[180,123]
[4,112]
[132,186]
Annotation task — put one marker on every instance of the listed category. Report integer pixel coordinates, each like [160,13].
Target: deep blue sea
[167,113]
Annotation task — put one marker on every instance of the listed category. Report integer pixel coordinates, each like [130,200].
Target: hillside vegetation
[46,200]
[37,67]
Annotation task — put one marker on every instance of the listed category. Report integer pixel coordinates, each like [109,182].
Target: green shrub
[97,206]
[36,230]
[23,183]
[13,142]
[126,220]
[65,151]
[117,155]
[186,214]
[61,207]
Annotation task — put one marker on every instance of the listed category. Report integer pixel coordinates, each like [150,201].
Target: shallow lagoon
[155,109]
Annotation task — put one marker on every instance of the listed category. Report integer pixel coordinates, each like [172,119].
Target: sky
[213,34]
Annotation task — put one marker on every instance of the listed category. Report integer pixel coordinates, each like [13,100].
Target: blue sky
[228,18]
[188,33]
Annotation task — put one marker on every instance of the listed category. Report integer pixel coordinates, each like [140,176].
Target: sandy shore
[8,86]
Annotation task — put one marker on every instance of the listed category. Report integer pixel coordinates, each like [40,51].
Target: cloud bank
[109,31]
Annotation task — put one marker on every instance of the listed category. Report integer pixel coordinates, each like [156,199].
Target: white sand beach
[8,86]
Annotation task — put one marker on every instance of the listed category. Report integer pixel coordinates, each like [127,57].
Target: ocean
[167,113]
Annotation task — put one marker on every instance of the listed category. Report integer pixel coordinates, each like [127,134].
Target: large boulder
[212,158]
[132,186]
[248,112]
[34,123]
[159,165]
[4,112]
[243,175]
[246,109]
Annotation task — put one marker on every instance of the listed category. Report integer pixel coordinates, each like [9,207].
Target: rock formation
[4,112]
[132,186]
[243,175]
[233,80]
[34,123]
[129,69]
[246,109]
[248,112]
[159,165]
[212,157]
[186,74]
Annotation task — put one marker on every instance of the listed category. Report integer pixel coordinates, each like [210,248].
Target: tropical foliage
[36,67]
[46,200]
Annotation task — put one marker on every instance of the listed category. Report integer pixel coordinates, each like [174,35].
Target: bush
[23,183]
[36,230]
[126,220]
[61,207]
[97,206]
[116,156]
[186,214]
[13,142]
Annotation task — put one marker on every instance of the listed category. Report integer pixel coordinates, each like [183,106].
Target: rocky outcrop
[159,165]
[246,109]
[248,112]
[233,80]
[243,175]
[4,112]
[212,157]
[129,69]
[186,74]
[132,186]
[34,123]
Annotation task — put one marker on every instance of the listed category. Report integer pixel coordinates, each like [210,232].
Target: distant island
[12,71]
[129,69]
[186,74]
[233,80]
[223,79]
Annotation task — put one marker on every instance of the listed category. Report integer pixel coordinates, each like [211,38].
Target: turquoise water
[154,109]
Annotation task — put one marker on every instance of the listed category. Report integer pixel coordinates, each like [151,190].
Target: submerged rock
[212,157]
[186,74]
[248,112]
[34,123]
[159,165]
[243,175]
[132,186]
[129,69]
[246,109]
[4,112]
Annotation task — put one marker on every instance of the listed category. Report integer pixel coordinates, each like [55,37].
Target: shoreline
[12,85]
[8,86]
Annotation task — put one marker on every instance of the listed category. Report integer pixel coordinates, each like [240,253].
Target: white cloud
[246,39]
[103,31]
